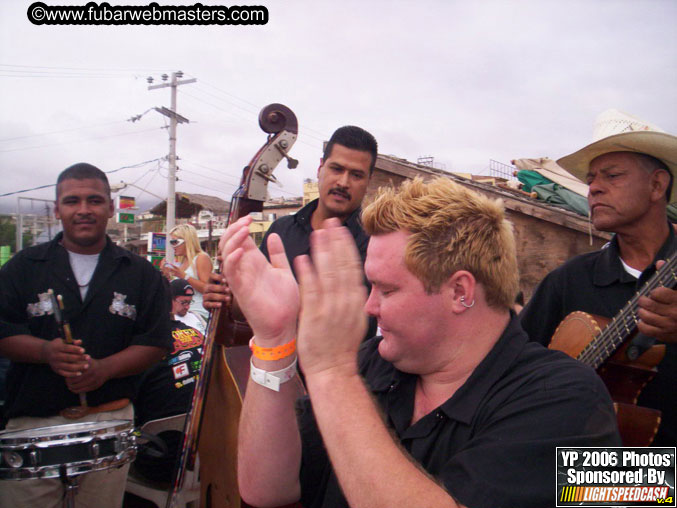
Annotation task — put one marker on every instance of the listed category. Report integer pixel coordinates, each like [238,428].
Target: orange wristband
[273,353]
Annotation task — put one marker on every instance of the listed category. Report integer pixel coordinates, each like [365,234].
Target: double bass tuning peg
[291,162]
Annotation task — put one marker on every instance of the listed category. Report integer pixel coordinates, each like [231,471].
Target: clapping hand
[266,292]
[332,322]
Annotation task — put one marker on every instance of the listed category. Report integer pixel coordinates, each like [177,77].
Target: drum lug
[94,448]
[124,442]
[13,459]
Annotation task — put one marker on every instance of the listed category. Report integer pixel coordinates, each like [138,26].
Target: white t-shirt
[632,271]
[83,266]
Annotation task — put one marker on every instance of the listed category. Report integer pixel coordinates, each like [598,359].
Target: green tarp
[551,192]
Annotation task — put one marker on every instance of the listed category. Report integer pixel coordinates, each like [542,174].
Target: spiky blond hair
[452,228]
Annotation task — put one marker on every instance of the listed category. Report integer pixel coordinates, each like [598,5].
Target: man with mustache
[117,308]
[630,177]
[343,176]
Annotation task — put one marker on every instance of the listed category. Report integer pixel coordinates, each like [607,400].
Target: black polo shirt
[597,283]
[126,305]
[295,230]
[492,444]
[295,233]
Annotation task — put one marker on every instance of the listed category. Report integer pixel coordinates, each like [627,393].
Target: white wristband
[274,379]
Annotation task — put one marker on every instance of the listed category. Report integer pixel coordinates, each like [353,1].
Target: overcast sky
[464,82]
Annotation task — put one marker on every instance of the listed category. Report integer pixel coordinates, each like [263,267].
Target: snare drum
[66,450]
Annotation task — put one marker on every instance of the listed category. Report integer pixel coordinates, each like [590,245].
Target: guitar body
[623,377]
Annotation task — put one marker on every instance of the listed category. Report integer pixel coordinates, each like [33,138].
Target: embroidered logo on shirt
[118,306]
[42,307]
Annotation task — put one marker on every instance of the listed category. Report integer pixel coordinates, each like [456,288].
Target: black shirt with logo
[126,305]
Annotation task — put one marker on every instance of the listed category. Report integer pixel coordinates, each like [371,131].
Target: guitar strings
[626,320]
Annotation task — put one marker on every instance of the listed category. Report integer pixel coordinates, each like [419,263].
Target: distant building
[311,191]
[279,207]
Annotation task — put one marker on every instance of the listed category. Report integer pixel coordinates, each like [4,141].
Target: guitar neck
[624,324]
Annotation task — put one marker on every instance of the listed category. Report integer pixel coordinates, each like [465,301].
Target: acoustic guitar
[606,345]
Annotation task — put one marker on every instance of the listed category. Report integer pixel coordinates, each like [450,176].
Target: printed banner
[126,202]
[616,477]
[157,243]
[125,218]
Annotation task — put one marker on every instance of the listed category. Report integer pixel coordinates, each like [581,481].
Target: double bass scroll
[280,122]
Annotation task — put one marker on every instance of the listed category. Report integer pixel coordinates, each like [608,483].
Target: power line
[234,186]
[62,131]
[27,190]
[208,188]
[252,110]
[247,120]
[54,185]
[257,108]
[149,182]
[218,172]
[141,70]
[135,165]
[81,140]
[208,177]
[47,74]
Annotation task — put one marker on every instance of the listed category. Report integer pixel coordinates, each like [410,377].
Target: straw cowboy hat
[619,132]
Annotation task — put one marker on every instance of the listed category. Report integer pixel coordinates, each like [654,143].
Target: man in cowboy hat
[630,176]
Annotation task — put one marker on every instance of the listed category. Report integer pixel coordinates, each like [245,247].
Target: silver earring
[465,304]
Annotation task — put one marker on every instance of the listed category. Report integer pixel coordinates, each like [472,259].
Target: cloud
[464,82]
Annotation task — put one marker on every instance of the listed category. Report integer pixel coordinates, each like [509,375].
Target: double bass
[212,423]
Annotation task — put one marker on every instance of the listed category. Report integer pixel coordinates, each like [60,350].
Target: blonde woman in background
[193,264]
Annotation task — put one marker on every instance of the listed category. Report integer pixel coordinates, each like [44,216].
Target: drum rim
[71,468]
[70,431]
[72,434]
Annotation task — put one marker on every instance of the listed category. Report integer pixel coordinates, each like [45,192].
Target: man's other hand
[67,360]
[217,292]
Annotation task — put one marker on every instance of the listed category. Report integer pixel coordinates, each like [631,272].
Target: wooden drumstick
[65,329]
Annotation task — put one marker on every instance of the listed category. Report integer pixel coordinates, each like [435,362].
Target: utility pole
[20,220]
[174,119]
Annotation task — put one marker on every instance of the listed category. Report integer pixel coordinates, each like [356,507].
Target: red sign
[126,202]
